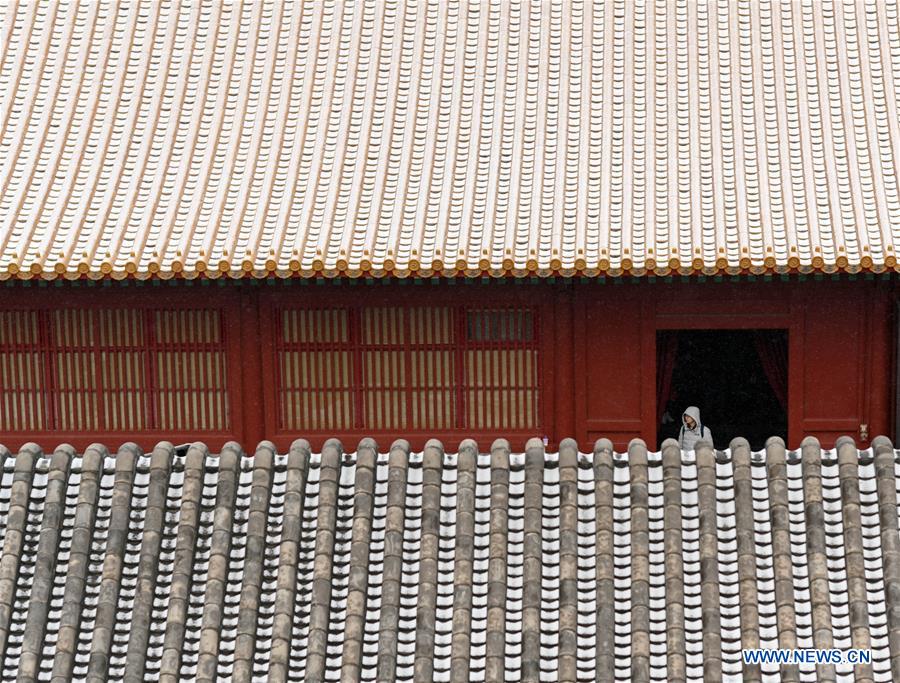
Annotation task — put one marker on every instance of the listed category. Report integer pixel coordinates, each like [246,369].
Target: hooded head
[692,412]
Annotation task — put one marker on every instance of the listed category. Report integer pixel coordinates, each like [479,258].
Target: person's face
[689,421]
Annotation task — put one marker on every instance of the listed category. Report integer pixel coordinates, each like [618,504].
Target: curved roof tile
[446,566]
[443,138]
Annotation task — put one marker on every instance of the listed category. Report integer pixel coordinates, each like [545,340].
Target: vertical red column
[250,419]
[563,375]
[879,371]
[796,369]
[647,304]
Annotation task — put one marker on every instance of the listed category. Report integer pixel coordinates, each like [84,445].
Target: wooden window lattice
[419,369]
[114,370]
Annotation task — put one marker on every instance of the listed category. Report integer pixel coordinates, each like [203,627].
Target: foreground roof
[437,566]
[402,138]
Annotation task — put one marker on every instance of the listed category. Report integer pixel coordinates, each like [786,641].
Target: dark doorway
[738,379]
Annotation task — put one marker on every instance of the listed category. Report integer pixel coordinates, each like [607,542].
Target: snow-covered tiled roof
[466,566]
[404,138]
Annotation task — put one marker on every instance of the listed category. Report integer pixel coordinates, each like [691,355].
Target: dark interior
[722,373]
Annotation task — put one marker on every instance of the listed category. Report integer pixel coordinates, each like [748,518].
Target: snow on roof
[408,138]
[368,565]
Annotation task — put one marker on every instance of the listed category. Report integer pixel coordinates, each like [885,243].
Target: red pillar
[563,368]
[252,411]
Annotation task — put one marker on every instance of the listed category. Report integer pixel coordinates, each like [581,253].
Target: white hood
[693,412]
[687,437]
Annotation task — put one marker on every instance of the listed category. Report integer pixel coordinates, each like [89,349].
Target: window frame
[148,296]
[421,294]
[467,357]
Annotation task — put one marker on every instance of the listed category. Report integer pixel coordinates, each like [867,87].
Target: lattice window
[415,368]
[317,368]
[22,380]
[433,364]
[501,368]
[119,370]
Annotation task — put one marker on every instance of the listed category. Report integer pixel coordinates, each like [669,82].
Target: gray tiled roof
[436,566]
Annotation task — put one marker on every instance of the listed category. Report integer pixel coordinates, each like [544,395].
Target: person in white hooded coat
[692,429]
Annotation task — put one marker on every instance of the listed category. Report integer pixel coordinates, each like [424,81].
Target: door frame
[715,323]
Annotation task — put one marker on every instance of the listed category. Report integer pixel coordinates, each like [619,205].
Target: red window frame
[463,297]
[149,298]
[408,393]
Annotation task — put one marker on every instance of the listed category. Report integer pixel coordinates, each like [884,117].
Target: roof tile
[446,566]
[594,137]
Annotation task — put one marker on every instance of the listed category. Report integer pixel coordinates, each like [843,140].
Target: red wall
[840,339]
[597,348]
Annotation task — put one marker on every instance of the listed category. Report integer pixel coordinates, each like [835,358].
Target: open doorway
[738,379]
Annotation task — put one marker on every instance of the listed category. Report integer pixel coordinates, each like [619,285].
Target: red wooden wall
[840,362]
[596,344]
[126,363]
[272,301]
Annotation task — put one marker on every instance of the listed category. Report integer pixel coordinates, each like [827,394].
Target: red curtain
[666,351]
[773,355]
